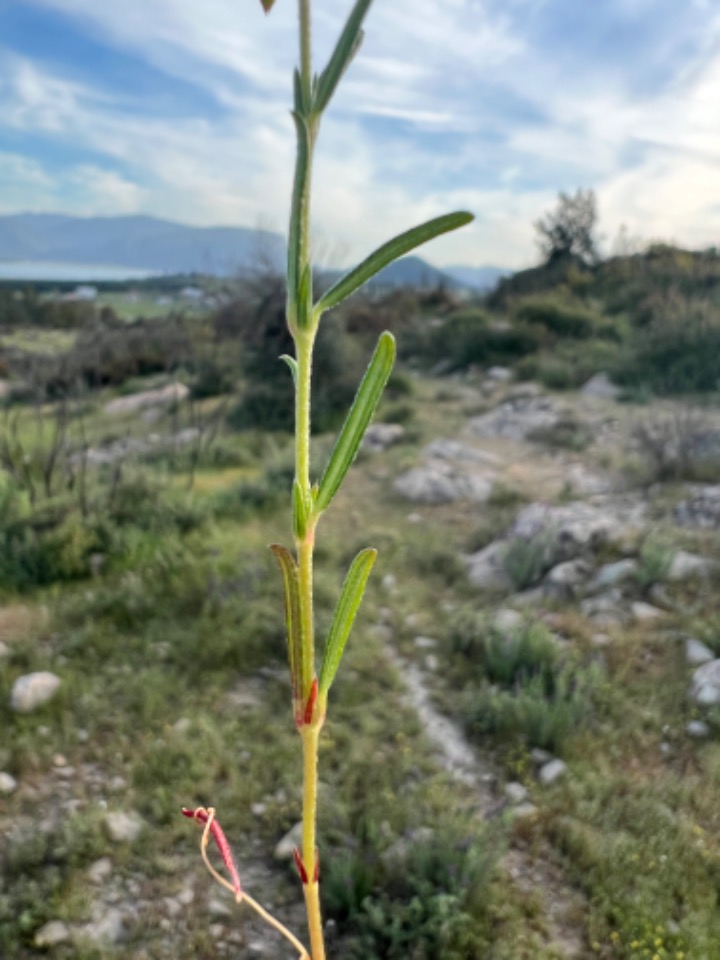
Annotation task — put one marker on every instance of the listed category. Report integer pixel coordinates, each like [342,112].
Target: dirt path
[537,873]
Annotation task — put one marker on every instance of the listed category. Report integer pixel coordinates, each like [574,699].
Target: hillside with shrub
[535,673]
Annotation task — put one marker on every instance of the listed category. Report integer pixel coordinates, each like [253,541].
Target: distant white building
[85,293]
[192,293]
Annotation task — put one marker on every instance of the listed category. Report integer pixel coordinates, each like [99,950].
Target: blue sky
[179,108]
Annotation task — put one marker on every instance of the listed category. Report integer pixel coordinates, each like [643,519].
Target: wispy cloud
[493,105]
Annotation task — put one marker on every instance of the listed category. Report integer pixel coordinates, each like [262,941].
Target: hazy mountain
[412,272]
[477,278]
[141,242]
[147,243]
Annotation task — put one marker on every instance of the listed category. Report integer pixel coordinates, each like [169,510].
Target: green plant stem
[304,335]
[310,737]
[305,48]
[304,342]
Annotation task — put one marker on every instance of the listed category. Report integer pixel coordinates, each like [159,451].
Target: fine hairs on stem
[312,93]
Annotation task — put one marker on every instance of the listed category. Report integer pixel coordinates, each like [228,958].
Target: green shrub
[561,319]
[428,902]
[256,496]
[676,351]
[266,400]
[542,710]
[526,559]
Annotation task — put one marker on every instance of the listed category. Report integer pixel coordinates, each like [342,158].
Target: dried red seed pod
[202,816]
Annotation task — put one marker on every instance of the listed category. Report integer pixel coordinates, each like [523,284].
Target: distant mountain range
[139,242]
[477,278]
[147,243]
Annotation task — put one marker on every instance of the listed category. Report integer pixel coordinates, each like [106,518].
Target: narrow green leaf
[293,620]
[342,56]
[347,608]
[300,511]
[299,202]
[397,247]
[292,363]
[304,297]
[299,104]
[356,423]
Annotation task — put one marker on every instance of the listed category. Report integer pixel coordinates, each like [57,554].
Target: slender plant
[312,94]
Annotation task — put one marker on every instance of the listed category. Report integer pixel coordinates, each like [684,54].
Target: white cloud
[431,68]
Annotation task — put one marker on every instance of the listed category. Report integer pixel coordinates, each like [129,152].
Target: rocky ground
[605,525]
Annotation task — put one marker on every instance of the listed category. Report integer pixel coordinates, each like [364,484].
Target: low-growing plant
[541,710]
[309,500]
[654,563]
[526,559]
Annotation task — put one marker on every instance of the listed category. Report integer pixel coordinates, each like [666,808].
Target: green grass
[174,685]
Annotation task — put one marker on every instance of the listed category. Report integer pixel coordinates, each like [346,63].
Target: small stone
[425,643]
[696,653]
[99,871]
[645,612]
[258,809]
[398,853]
[439,482]
[4,650]
[600,386]
[697,729]
[705,684]
[524,811]
[432,663]
[173,907]
[600,640]
[552,772]
[540,757]
[566,576]
[382,632]
[380,436]
[292,839]
[117,784]
[516,792]
[686,565]
[611,574]
[218,907]
[107,930]
[33,690]
[499,374]
[507,621]
[51,935]
[182,726]
[8,784]
[123,827]
[389,582]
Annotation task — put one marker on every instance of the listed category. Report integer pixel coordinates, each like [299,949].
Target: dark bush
[473,338]
[267,400]
[561,319]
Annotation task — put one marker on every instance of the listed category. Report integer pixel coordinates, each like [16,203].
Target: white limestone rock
[33,690]
[292,839]
[551,772]
[123,827]
[696,653]
[705,684]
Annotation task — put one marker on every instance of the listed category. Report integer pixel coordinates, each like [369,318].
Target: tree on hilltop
[568,230]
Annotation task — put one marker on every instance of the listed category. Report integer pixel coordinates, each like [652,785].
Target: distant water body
[70,272]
